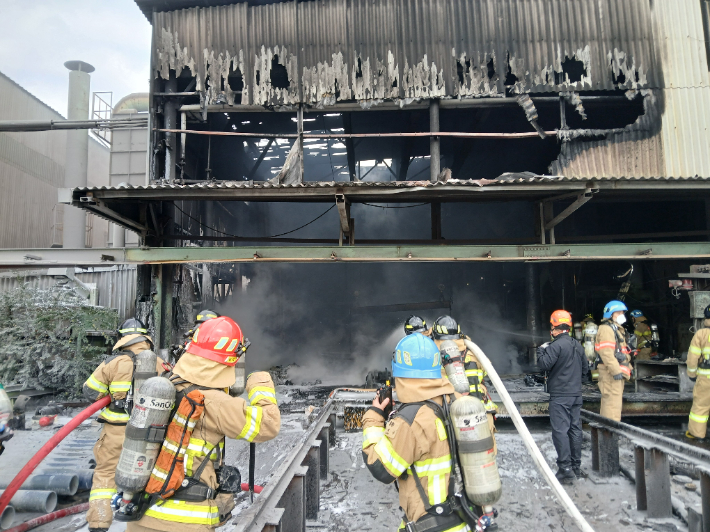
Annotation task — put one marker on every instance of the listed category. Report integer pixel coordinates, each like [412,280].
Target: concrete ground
[352,500]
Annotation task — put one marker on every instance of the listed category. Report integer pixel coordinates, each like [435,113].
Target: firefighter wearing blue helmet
[412,446]
[613,359]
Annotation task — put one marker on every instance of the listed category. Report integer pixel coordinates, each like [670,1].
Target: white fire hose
[537,457]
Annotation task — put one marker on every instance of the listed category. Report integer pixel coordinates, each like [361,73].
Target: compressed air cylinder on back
[475,446]
[240,370]
[453,362]
[144,435]
[146,362]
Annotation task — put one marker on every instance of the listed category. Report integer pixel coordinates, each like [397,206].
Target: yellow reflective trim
[110,415]
[437,488]
[253,423]
[441,430]
[372,435]
[702,371]
[394,464]
[194,336]
[232,345]
[106,493]
[183,512]
[222,342]
[433,466]
[96,385]
[697,418]
[119,386]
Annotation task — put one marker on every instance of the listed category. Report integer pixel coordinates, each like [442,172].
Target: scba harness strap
[442,516]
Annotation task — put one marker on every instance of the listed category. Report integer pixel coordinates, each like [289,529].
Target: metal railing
[653,494]
[293,493]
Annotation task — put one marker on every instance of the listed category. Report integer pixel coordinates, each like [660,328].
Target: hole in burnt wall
[510,78]
[491,68]
[358,72]
[462,70]
[573,69]
[235,80]
[279,74]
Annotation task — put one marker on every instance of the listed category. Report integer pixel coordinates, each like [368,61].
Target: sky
[38,36]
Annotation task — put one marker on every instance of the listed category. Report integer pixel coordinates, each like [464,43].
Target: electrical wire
[395,207]
[237,236]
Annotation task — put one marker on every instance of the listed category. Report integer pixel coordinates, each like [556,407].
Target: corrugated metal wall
[398,49]
[410,48]
[31,170]
[116,285]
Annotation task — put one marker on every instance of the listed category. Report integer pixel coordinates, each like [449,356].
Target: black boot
[578,472]
[98,529]
[565,475]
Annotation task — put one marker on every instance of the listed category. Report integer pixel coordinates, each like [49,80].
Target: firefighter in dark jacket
[566,364]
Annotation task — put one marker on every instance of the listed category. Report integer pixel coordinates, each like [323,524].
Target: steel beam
[581,200]
[659,493]
[640,476]
[53,257]
[608,453]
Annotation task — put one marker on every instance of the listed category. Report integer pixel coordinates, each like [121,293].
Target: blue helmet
[613,306]
[416,357]
[636,314]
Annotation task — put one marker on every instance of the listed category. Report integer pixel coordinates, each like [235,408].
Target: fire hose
[44,519]
[47,448]
[532,447]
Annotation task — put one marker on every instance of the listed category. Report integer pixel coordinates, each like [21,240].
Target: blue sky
[38,36]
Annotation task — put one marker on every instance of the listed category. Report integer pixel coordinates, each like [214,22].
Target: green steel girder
[34,258]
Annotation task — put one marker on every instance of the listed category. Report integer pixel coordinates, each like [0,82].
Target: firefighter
[113,376]
[207,365]
[699,366]
[202,316]
[644,336]
[566,364]
[414,440]
[414,324]
[446,328]
[613,359]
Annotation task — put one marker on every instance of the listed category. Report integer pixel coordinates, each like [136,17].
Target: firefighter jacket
[390,451]
[256,419]
[566,364]
[610,344]
[699,353]
[643,333]
[475,374]
[114,376]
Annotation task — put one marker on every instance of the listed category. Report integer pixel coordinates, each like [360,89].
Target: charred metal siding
[403,50]
[392,49]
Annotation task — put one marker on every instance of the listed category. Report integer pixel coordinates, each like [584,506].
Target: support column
[77,151]
[595,448]
[349,145]
[300,142]
[170,121]
[532,291]
[434,142]
[324,437]
[641,503]
[293,501]
[608,453]
[659,494]
[312,461]
[705,500]
[332,420]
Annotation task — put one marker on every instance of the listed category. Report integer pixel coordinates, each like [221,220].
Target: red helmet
[218,339]
[561,317]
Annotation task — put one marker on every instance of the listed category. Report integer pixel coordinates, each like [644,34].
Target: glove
[618,377]
[544,346]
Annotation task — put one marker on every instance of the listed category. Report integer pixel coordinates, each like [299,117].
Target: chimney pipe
[75,167]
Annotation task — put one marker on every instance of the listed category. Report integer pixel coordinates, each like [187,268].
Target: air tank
[141,445]
[146,363]
[240,370]
[590,335]
[476,454]
[453,362]
[578,331]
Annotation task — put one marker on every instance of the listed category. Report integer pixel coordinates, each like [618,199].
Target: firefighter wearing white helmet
[446,328]
[613,359]
[699,372]
[412,447]
[114,377]
[208,366]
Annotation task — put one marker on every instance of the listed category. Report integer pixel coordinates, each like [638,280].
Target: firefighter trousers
[698,419]
[612,393]
[567,430]
[107,451]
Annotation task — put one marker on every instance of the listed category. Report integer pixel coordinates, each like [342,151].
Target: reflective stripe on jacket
[699,351]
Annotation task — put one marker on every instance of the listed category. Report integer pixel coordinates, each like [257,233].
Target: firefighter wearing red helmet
[208,365]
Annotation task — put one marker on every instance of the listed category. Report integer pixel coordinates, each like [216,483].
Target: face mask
[621,319]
